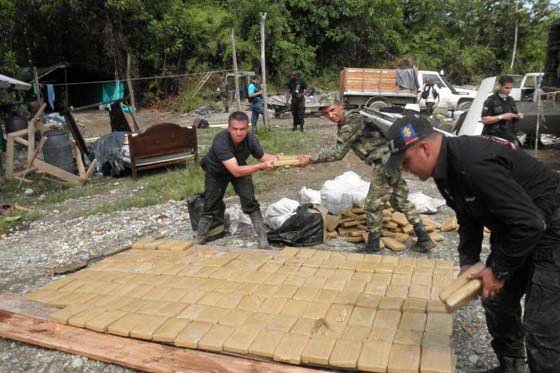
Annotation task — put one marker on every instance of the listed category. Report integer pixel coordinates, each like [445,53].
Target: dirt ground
[66,233]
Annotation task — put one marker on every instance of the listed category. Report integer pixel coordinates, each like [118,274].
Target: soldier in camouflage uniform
[370,146]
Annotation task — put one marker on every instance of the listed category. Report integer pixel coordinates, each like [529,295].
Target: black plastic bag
[305,228]
[195,205]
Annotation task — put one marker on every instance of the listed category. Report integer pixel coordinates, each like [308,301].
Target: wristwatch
[502,276]
[500,117]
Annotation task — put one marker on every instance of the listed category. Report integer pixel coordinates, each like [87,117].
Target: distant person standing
[222,93]
[429,95]
[296,90]
[256,100]
[499,113]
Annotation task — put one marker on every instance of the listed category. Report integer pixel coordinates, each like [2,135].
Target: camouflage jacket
[365,140]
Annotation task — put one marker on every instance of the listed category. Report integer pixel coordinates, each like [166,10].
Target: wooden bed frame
[161,145]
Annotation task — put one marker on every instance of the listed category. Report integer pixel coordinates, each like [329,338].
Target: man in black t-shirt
[296,90]
[499,113]
[226,162]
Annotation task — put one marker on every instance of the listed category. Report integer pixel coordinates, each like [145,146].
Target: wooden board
[29,325]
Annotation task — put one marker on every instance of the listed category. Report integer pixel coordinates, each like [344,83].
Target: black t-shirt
[296,87]
[223,149]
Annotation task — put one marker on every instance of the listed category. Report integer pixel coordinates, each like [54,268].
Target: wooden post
[129,83]
[38,86]
[236,73]
[263,71]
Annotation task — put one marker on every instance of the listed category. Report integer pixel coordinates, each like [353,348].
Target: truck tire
[464,105]
[377,103]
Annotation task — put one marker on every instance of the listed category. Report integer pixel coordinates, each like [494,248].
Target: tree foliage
[468,39]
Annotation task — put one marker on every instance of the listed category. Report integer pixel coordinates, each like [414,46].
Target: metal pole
[539,109]
[236,73]
[263,70]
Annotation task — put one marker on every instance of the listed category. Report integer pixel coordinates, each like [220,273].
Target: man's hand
[464,268]
[267,165]
[304,160]
[490,284]
[509,116]
[520,116]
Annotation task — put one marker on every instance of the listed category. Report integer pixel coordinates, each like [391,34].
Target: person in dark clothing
[296,90]
[226,162]
[430,95]
[499,113]
[488,182]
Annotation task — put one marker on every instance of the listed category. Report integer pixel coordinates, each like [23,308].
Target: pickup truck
[377,88]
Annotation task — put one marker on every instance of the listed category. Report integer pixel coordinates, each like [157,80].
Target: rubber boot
[372,244]
[258,224]
[510,365]
[202,230]
[424,243]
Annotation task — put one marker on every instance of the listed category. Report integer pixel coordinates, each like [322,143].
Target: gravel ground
[28,257]
[66,234]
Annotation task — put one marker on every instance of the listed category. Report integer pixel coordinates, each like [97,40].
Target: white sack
[344,192]
[308,195]
[235,217]
[277,213]
[425,204]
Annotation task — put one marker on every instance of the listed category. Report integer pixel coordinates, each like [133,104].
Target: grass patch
[17,218]
[159,187]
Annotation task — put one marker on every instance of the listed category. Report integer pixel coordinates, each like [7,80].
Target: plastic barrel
[58,151]
[15,123]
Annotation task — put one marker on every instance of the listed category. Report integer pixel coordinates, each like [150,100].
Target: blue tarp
[112,91]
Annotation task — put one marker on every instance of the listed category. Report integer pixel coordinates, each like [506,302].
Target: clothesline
[141,78]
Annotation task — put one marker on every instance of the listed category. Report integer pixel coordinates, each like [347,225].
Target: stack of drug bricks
[373,313]
[396,229]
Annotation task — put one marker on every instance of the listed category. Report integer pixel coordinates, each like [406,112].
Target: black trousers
[215,188]
[298,110]
[539,280]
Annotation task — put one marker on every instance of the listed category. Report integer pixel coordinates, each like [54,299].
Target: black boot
[424,243]
[204,224]
[258,224]
[294,128]
[372,244]
[510,365]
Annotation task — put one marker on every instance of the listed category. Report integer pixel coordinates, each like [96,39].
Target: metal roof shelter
[7,82]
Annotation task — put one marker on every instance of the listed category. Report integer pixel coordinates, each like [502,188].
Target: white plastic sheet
[308,195]
[344,192]
[277,213]
[235,218]
[425,204]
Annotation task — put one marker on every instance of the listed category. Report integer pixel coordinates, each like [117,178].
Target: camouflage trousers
[387,186]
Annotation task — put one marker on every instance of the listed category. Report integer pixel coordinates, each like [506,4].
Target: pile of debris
[396,231]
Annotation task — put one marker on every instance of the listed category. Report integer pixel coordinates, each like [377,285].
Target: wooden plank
[131,353]
[58,172]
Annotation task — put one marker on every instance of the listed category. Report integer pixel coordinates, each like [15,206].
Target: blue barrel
[58,150]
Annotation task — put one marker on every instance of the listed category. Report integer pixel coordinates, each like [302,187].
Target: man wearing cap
[488,182]
[370,146]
